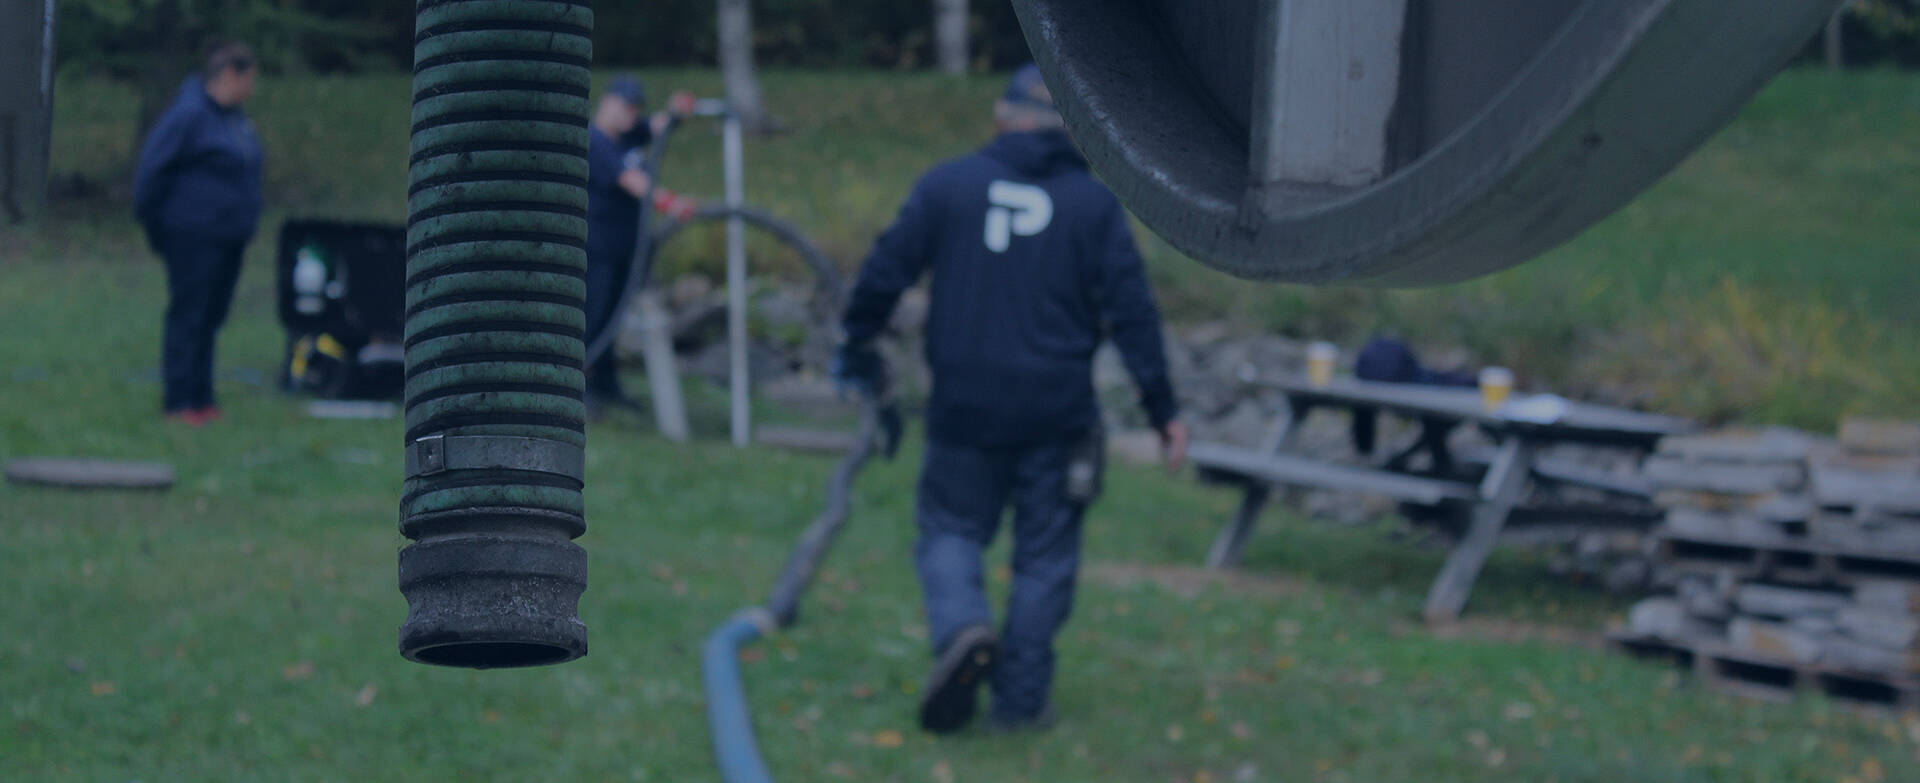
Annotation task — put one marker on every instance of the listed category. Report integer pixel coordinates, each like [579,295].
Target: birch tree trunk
[950,35]
[736,63]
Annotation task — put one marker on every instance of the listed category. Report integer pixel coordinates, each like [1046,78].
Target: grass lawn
[242,626]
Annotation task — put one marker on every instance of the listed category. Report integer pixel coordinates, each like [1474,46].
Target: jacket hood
[193,90]
[1036,154]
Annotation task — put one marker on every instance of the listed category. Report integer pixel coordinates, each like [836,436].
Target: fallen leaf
[298,670]
[102,687]
[888,738]
[1871,772]
[941,772]
[862,691]
[490,716]
[365,696]
[751,654]
[1240,730]
[1496,757]
[1284,663]
[1477,738]
[1175,733]
[1203,776]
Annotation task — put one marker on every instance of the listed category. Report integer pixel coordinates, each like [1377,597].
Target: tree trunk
[950,35]
[1835,48]
[736,63]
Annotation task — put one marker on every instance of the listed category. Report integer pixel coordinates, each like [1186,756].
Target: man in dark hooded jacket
[197,194]
[1032,265]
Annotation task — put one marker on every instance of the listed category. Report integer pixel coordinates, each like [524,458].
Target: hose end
[493,601]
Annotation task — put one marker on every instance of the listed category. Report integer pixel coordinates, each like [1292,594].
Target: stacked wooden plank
[1790,561]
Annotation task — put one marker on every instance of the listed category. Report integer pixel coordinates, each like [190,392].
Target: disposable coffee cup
[1496,384]
[1320,359]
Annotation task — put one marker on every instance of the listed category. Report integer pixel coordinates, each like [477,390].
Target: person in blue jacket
[617,186]
[1033,264]
[197,194]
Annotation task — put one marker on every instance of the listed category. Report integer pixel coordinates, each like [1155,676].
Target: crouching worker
[1032,264]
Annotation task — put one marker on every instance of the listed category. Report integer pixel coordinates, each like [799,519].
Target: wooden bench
[1259,471]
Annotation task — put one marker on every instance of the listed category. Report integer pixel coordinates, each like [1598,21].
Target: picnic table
[1486,502]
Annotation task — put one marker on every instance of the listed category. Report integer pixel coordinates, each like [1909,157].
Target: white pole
[731,160]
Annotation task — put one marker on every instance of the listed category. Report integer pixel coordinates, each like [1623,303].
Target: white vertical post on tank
[732,161]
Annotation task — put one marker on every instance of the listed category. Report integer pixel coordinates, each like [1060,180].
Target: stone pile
[1789,550]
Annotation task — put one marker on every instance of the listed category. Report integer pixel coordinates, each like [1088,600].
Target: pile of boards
[1790,562]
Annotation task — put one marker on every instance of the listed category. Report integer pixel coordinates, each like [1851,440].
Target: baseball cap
[1026,88]
[628,89]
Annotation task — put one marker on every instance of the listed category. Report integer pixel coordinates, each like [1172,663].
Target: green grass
[241,626]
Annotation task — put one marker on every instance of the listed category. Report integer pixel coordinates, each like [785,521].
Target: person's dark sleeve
[1132,320]
[158,153]
[896,262]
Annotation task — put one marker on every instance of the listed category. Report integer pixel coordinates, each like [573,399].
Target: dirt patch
[1498,630]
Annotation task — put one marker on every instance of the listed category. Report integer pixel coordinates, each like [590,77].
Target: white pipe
[732,161]
[663,376]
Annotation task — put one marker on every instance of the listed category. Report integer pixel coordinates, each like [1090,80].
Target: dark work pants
[201,274]
[963,491]
[608,261]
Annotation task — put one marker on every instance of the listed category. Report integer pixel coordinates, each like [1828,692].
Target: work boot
[952,690]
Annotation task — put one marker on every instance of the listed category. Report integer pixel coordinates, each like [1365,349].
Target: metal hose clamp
[437,453]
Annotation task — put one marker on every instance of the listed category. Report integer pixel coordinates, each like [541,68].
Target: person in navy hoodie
[617,186]
[1033,264]
[197,194]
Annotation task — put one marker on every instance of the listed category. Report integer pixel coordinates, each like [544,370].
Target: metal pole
[731,160]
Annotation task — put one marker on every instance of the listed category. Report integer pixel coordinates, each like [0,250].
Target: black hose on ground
[496,261]
[729,717]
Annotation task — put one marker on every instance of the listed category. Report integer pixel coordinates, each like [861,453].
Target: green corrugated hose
[496,238]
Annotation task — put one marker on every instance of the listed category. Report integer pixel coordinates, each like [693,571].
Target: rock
[1693,523]
[1737,478]
[688,290]
[1773,444]
[910,315]
[784,307]
[1134,446]
[1785,509]
[1775,640]
[699,324]
[1895,491]
[1109,371]
[1880,436]
[806,393]
[1662,617]
[1892,630]
[1203,336]
[1841,652]
[764,364]
[1776,601]
[1702,599]
[1241,425]
[1887,595]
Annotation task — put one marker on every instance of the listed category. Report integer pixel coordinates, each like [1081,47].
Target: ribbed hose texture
[496,262]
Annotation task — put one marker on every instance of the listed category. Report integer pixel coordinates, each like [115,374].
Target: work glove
[891,427]
[859,370]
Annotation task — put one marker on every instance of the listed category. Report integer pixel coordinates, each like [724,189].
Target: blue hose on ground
[728,715]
